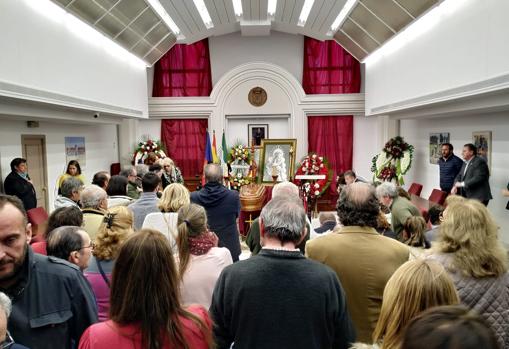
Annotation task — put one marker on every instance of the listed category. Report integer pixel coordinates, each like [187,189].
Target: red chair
[115,168]
[415,189]
[438,196]
[38,217]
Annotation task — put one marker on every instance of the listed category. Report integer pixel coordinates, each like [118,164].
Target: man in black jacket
[52,303]
[18,183]
[472,182]
[279,298]
[223,208]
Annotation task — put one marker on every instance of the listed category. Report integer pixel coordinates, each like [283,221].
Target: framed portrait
[277,158]
[435,145]
[257,132]
[482,141]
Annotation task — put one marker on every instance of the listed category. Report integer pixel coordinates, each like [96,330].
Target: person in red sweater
[145,305]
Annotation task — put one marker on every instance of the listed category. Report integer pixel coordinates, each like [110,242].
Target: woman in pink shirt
[145,307]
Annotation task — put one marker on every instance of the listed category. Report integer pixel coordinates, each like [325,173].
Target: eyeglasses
[8,342]
[91,246]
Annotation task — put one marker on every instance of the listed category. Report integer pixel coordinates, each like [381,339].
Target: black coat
[477,184]
[16,185]
[52,304]
[223,208]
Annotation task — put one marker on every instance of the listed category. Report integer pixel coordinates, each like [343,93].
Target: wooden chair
[415,189]
[438,196]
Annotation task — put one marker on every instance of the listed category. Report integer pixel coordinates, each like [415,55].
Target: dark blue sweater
[449,169]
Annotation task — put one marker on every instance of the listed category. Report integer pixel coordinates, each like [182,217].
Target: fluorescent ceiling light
[156,5]
[204,13]
[304,14]
[237,7]
[271,9]
[345,11]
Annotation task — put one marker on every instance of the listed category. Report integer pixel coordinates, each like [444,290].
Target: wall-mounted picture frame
[256,133]
[277,160]
[75,150]
[435,145]
[482,141]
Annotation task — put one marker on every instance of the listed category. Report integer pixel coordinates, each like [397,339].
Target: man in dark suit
[18,183]
[472,182]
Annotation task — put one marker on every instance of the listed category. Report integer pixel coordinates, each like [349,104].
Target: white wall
[365,144]
[100,142]
[229,51]
[43,53]
[468,44]
[416,132]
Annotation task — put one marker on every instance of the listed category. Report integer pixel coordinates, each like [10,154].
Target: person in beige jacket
[95,203]
[363,259]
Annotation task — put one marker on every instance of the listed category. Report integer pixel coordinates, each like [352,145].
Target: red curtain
[332,137]
[328,68]
[184,71]
[185,143]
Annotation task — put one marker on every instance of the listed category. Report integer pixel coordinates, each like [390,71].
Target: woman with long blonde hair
[146,309]
[414,287]
[200,260]
[117,226]
[470,250]
[174,197]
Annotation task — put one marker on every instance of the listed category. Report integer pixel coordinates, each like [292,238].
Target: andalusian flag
[215,159]
[207,157]
[225,148]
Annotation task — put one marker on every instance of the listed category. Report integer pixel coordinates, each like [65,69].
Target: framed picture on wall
[277,160]
[482,141]
[435,145]
[75,150]
[256,133]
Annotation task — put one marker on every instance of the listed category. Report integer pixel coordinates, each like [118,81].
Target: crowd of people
[137,261]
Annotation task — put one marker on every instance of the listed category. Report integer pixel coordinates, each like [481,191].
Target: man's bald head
[358,205]
[213,173]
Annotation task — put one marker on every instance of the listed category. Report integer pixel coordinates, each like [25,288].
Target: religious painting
[482,141]
[435,145]
[75,150]
[257,132]
[277,160]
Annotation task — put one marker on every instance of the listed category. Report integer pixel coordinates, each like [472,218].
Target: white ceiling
[254,20]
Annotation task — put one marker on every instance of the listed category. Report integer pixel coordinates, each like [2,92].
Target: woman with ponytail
[200,261]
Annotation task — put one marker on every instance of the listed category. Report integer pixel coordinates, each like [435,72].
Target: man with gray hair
[253,236]
[69,193]
[71,244]
[95,203]
[223,208]
[278,298]
[133,189]
[362,259]
[6,340]
[401,208]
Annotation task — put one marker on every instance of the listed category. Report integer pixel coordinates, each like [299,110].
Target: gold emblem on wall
[257,96]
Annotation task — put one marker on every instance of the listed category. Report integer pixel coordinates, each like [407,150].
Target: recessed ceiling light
[237,7]
[204,13]
[271,8]
[345,11]
[156,5]
[306,9]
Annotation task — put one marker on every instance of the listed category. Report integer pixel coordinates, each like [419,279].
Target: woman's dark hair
[16,162]
[449,327]
[117,186]
[358,209]
[74,163]
[145,291]
[71,215]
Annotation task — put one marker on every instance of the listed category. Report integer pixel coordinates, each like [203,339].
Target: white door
[34,150]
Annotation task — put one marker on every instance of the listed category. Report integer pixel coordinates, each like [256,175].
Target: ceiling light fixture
[156,5]
[204,13]
[237,8]
[304,14]
[271,8]
[345,11]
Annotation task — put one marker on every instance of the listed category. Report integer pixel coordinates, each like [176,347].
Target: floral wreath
[393,161]
[239,152]
[313,164]
[146,147]
[237,182]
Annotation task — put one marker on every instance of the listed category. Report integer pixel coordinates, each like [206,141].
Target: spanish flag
[215,158]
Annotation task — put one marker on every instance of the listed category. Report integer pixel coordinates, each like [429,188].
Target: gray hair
[213,173]
[284,218]
[92,195]
[127,171]
[141,170]
[284,188]
[6,304]
[387,189]
[69,186]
